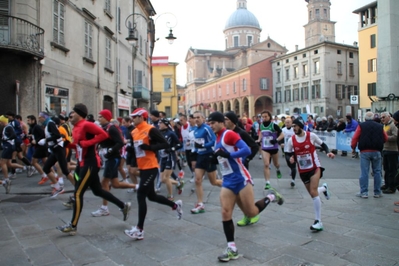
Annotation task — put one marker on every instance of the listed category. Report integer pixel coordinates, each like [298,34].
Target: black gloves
[198,146]
[273,141]
[222,153]
[145,147]
[213,159]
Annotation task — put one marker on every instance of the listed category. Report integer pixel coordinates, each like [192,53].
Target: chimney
[355,44]
[296,47]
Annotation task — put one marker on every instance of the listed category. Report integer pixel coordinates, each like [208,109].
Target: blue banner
[344,141]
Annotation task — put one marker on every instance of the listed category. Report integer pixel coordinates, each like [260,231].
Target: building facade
[323,77]
[379,56]
[82,56]
[164,83]
[238,78]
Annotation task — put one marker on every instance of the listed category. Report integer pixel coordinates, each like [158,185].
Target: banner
[329,138]
[344,141]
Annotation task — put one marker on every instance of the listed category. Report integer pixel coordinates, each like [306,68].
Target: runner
[147,141]
[310,170]
[204,142]
[110,151]
[237,182]
[269,136]
[85,137]
[288,132]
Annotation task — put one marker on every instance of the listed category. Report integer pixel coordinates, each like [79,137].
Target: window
[338,91]
[371,89]
[227,89]
[235,38]
[349,91]
[295,72]
[316,89]
[208,94]
[129,76]
[295,58]
[338,51]
[372,65]
[317,13]
[249,41]
[339,68]
[310,15]
[316,67]
[296,94]
[220,91]
[303,55]
[138,78]
[234,87]
[325,12]
[287,60]
[287,74]
[350,54]
[278,63]
[214,93]
[304,70]
[244,85]
[119,19]
[351,70]
[287,94]
[108,6]
[108,53]
[88,40]
[305,92]
[58,20]
[264,84]
[355,92]
[343,91]
[167,84]
[372,41]
[278,76]
[278,95]
[316,51]
[316,109]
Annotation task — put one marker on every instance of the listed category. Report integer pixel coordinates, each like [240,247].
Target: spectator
[331,123]
[370,138]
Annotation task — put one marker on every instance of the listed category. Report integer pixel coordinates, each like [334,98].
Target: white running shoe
[100,212]
[135,233]
[317,226]
[192,180]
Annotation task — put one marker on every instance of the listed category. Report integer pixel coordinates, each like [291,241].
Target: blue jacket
[204,134]
[350,127]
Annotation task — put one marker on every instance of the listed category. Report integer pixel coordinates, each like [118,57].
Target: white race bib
[305,161]
[225,167]
[139,152]
[79,152]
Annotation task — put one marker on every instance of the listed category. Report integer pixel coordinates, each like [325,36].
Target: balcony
[19,35]
[157,97]
[141,93]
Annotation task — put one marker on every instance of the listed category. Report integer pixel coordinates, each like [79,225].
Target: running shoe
[130,190]
[327,192]
[56,192]
[126,210]
[180,187]
[362,195]
[260,157]
[277,196]
[248,221]
[43,180]
[278,174]
[316,226]
[7,185]
[192,180]
[267,186]
[100,212]
[68,229]
[199,208]
[12,176]
[228,254]
[179,208]
[69,204]
[292,183]
[181,174]
[135,233]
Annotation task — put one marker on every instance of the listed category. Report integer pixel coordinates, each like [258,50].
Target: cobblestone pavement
[356,231]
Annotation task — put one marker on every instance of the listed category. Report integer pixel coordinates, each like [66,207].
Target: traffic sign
[354,99]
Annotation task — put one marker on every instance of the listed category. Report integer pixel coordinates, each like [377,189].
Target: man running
[237,182]
[40,152]
[269,136]
[309,167]
[85,137]
[147,140]
[203,143]
[110,150]
[288,132]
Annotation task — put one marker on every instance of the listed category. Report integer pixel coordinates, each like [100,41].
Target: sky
[200,24]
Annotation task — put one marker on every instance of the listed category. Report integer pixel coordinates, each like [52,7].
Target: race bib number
[102,152]
[266,142]
[225,167]
[139,152]
[79,152]
[305,161]
[200,141]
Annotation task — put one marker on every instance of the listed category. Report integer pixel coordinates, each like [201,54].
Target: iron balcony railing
[19,34]
[141,93]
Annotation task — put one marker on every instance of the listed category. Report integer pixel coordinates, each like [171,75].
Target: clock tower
[319,27]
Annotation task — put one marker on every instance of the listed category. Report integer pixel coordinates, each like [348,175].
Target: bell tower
[319,27]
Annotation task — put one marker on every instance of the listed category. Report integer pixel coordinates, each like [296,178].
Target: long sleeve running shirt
[204,135]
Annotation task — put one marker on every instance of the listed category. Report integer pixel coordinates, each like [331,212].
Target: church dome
[242,17]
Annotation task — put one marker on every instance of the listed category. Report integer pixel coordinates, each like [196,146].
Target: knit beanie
[80,109]
[232,116]
[106,114]
[396,116]
[298,122]
[216,116]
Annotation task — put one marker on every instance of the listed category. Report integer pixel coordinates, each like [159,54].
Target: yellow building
[164,82]
[367,34]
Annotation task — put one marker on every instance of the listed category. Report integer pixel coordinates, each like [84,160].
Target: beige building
[323,77]
[75,52]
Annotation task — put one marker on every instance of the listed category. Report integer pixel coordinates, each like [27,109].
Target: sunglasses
[134,116]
